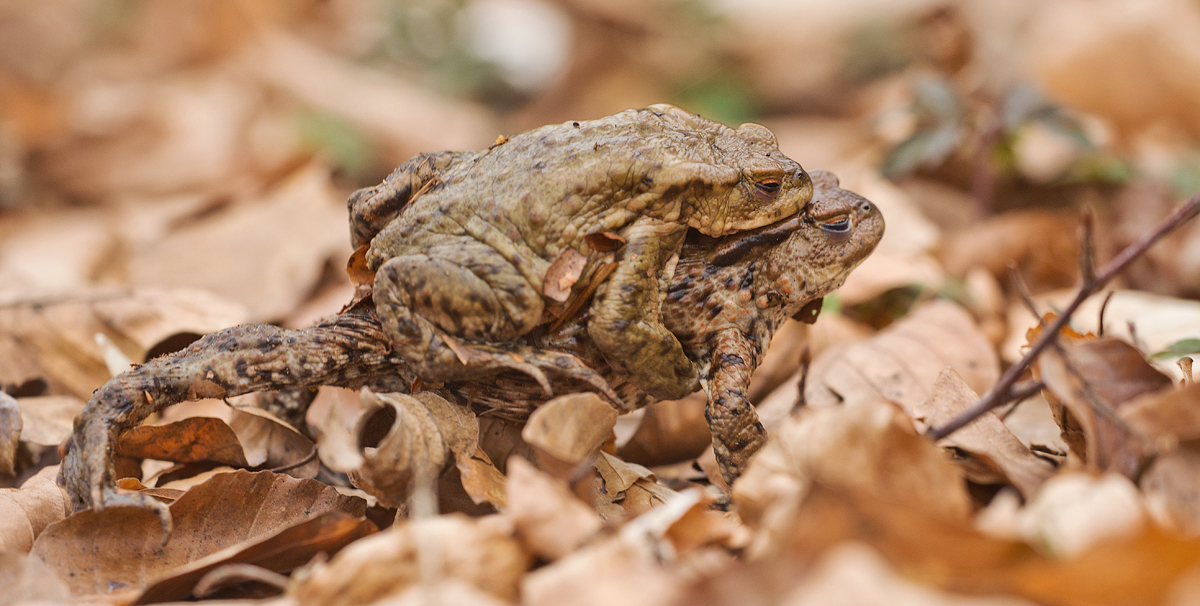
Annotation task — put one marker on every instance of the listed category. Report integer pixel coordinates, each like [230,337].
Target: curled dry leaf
[26,511]
[568,430]
[985,447]
[123,548]
[626,489]
[548,519]
[414,438]
[10,434]
[53,337]
[481,552]
[867,448]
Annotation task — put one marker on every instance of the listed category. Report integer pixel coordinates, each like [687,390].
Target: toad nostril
[865,207]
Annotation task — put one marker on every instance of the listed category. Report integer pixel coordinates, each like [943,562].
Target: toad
[464,244]
[726,298]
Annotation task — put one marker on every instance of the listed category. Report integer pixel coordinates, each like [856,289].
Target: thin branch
[1104,308]
[1000,392]
[1087,248]
[1020,393]
[1022,289]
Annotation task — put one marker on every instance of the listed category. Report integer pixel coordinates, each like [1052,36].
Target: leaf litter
[161,179]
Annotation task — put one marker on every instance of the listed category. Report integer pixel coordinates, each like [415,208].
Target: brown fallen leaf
[562,275]
[620,570]
[28,580]
[269,442]
[123,548]
[48,420]
[26,511]
[10,434]
[53,336]
[548,519]
[1110,373]
[568,430]
[267,254]
[901,363]
[1171,486]
[281,552]
[989,445]
[1041,243]
[868,448]
[191,440]
[411,439]
[669,432]
[479,551]
[1172,413]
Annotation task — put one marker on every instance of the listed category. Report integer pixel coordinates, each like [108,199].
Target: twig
[1020,393]
[1104,308]
[1023,291]
[1000,392]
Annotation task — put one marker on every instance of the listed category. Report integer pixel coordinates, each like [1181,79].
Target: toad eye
[837,229]
[768,187]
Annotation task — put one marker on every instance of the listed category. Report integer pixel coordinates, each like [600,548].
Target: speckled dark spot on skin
[729,359]
[729,282]
[715,310]
[748,279]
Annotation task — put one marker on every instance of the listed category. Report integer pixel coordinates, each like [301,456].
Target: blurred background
[211,143]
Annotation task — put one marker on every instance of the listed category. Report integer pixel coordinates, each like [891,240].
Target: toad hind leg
[625,319]
[426,304]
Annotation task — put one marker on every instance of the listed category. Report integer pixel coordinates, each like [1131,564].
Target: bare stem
[1000,392]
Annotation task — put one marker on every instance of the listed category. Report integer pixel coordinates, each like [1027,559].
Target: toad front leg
[625,320]
[736,432]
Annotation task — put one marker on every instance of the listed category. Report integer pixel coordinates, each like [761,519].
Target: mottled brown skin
[726,299]
[461,242]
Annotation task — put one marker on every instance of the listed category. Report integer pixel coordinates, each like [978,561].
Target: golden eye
[768,187]
[837,229]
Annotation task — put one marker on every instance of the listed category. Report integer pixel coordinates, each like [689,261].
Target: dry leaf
[269,442]
[481,552]
[901,363]
[622,570]
[1041,243]
[26,511]
[568,430]
[10,434]
[191,440]
[1111,372]
[27,580]
[868,448]
[986,441]
[669,432]
[562,275]
[53,337]
[48,420]
[122,548]
[1172,490]
[267,254]
[281,552]
[1168,413]
[549,520]
[410,439]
